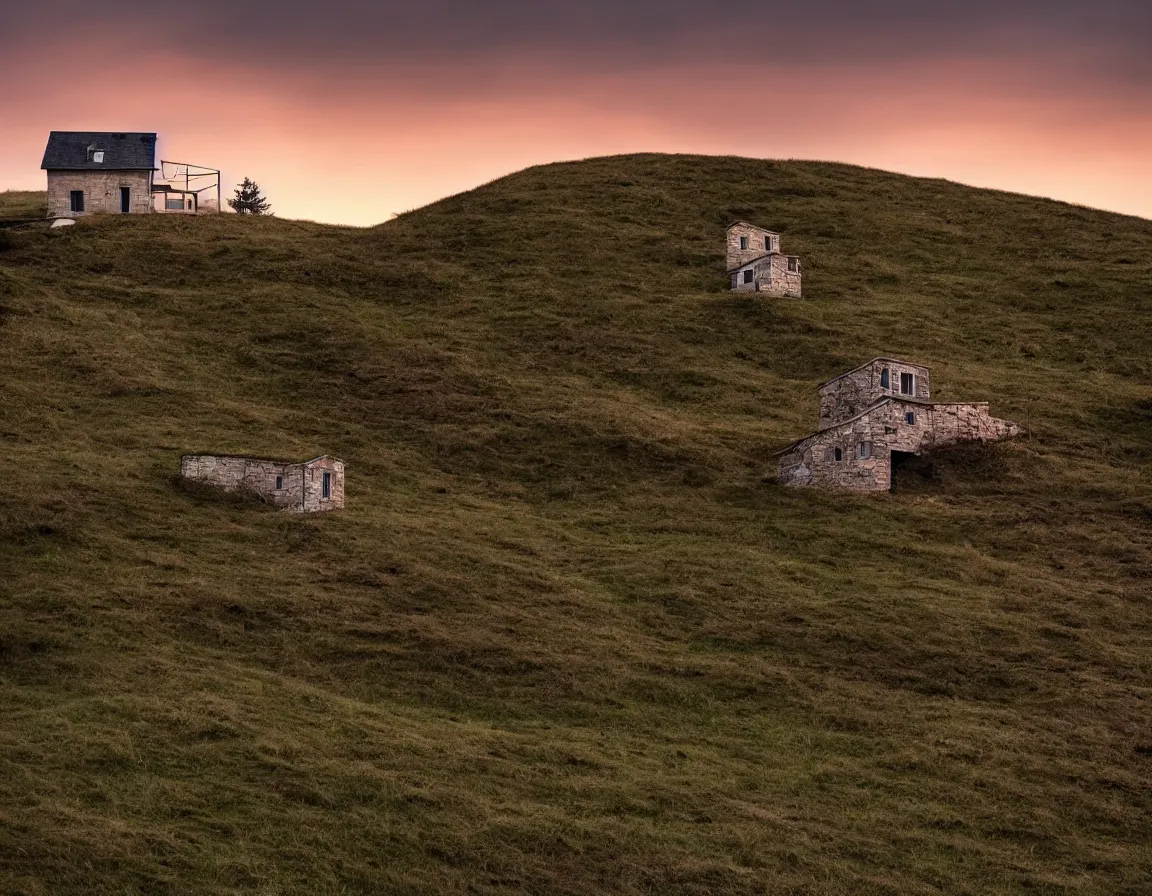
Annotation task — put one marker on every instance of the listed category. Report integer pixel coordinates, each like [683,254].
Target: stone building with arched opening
[876,412]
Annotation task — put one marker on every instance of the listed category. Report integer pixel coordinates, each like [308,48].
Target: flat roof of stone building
[878,403]
[753,226]
[873,361]
[268,460]
[745,264]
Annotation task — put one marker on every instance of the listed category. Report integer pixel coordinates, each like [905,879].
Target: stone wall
[771,276]
[849,394]
[300,484]
[952,423]
[313,478]
[886,428]
[756,237]
[101,192]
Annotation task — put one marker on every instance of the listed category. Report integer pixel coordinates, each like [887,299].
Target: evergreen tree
[248,200]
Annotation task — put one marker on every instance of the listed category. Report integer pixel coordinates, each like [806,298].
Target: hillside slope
[565,638]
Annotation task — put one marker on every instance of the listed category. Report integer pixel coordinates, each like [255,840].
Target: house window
[864,450]
[326,486]
[837,454]
[98,157]
[748,276]
[76,200]
[743,242]
[174,204]
[910,417]
[768,243]
[907,384]
[792,265]
[884,379]
[279,483]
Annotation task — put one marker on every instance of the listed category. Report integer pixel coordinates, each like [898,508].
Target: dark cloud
[1117,34]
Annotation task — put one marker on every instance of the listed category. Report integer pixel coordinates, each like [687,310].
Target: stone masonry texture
[864,423]
[301,484]
[756,264]
[101,192]
[850,393]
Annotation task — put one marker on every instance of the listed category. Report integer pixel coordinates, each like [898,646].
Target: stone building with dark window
[106,172]
[756,264]
[92,171]
[313,485]
[872,415]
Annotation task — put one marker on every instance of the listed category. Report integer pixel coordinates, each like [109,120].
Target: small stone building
[316,484]
[874,414]
[115,173]
[755,262]
[92,171]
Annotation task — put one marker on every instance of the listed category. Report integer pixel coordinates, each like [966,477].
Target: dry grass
[564,639]
[22,204]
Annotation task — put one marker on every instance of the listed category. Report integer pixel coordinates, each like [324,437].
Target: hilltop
[569,637]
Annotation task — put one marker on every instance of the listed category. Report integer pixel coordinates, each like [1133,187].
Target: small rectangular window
[910,417]
[326,486]
[792,265]
[864,450]
[174,204]
[76,200]
[98,157]
[768,243]
[907,384]
[279,483]
[838,454]
[743,242]
[884,380]
[748,275]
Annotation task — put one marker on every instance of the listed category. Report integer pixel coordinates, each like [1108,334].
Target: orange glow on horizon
[359,145]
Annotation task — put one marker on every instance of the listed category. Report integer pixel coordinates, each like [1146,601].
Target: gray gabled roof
[69,150]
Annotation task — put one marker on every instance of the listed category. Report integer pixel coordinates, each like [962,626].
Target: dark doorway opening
[910,471]
[125,200]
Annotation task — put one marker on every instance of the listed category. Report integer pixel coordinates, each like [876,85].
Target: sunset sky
[349,110]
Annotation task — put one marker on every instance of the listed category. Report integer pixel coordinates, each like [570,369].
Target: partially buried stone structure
[316,484]
[755,262]
[879,410]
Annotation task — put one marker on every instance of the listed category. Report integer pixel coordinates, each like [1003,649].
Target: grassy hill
[18,205]
[566,638]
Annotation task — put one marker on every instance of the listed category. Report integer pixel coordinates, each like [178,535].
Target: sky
[350,111]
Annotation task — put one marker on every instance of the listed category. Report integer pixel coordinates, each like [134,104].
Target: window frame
[743,243]
[326,485]
[793,265]
[279,483]
[749,276]
[910,418]
[838,455]
[863,450]
[911,383]
[886,378]
[76,201]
